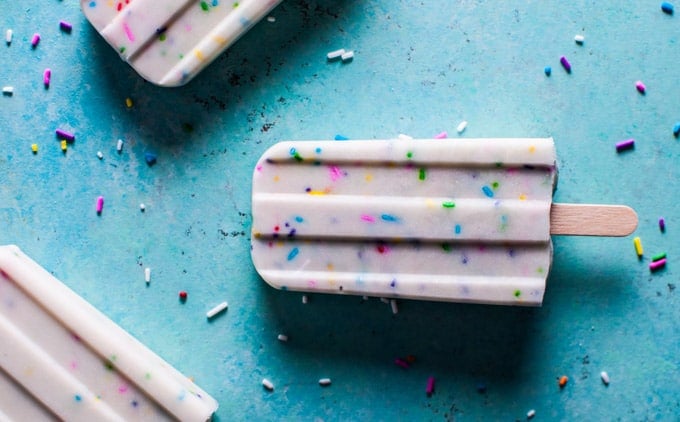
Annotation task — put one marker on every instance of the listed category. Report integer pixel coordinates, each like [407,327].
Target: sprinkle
[8,90]
[547,70]
[293,253]
[442,135]
[35,40]
[662,224]
[487,191]
[624,145]
[565,64]
[659,256]
[325,382]
[448,204]
[147,274]
[66,136]
[657,265]
[578,39]
[282,337]
[8,36]
[183,295]
[430,386]
[334,55]
[119,146]
[142,207]
[128,102]
[404,137]
[65,26]
[267,384]
[347,56]
[217,310]
[605,377]
[393,304]
[150,158]
[641,88]
[422,174]
[384,300]
[389,218]
[667,7]
[676,129]
[341,138]
[34,148]
[638,246]
[461,126]
[531,414]
[304,299]
[100,204]
[271,19]
[64,145]
[563,381]
[100,155]
[47,76]
[401,362]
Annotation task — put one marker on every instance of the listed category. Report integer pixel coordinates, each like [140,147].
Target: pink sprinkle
[123,389]
[35,40]
[366,217]
[334,172]
[442,135]
[100,204]
[402,363]
[430,386]
[258,168]
[657,265]
[640,87]
[128,32]
[47,75]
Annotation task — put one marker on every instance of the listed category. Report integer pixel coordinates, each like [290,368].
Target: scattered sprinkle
[100,203]
[183,295]
[404,137]
[341,138]
[100,155]
[35,40]
[128,102]
[271,19]
[402,363]
[531,414]
[625,145]
[119,146]
[66,136]
[147,274]
[657,265]
[563,381]
[64,145]
[34,148]
[282,337]
[8,36]
[565,64]
[579,39]
[393,305]
[430,386]
[638,246]
[267,384]
[324,382]
[676,129]
[605,377]
[667,7]
[335,55]
[304,299]
[142,207]
[662,224]
[441,135]
[47,77]
[641,88]
[461,126]
[150,158]
[8,90]
[65,26]
[347,56]
[659,256]
[547,70]
[217,310]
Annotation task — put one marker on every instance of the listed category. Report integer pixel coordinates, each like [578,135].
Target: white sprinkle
[147,274]
[216,310]
[271,19]
[282,337]
[142,207]
[8,36]
[531,414]
[364,297]
[324,382]
[267,384]
[8,90]
[100,155]
[605,377]
[393,304]
[461,126]
[334,55]
[119,145]
[403,137]
[384,300]
[347,56]
[579,39]
[304,299]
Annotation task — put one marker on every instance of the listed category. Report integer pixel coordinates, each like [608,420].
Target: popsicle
[168,42]
[464,220]
[62,359]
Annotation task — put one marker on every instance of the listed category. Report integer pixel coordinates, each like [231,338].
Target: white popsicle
[61,358]
[465,220]
[170,41]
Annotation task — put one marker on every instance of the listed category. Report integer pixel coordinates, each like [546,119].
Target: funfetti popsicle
[465,220]
[168,42]
[62,359]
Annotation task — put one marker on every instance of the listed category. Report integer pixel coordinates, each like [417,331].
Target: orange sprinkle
[563,381]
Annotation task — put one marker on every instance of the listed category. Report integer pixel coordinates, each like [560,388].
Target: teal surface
[419,69]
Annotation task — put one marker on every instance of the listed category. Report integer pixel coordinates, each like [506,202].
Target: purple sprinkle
[62,134]
[662,224]
[401,362]
[565,64]
[641,88]
[430,386]
[65,26]
[624,145]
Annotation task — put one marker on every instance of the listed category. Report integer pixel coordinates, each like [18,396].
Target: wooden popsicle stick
[592,220]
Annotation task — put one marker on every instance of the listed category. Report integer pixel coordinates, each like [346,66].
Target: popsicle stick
[592,220]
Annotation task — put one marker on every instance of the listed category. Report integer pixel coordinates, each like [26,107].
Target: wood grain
[592,220]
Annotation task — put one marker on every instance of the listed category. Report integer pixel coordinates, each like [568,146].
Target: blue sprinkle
[341,138]
[299,219]
[292,151]
[457,229]
[487,191]
[77,397]
[676,129]
[547,70]
[390,218]
[150,158]
[667,8]
[393,283]
[318,150]
[93,4]
[293,253]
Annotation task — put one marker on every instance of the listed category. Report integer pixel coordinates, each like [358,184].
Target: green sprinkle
[147,375]
[539,270]
[204,6]
[495,185]
[409,154]
[446,247]
[235,5]
[448,204]
[109,365]
[297,156]
[421,174]
[659,256]
[518,293]
[162,37]
[499,164]
[121,50]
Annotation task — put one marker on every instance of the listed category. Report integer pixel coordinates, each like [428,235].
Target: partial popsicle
[168,42]
[465,220]
[62,359]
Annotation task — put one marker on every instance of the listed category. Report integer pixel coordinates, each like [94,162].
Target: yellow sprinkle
[128,102]
[198,54]
[532,149]
[317,192]
[522,197]
[63,145]
[276,178]
[219,40]
[34,148]
[638,246]
[329,267]
[369,177]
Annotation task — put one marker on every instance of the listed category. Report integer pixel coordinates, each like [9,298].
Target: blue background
[419,69]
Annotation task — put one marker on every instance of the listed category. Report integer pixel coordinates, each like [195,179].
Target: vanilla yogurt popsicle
[465,220]
[62,359]
[168,42]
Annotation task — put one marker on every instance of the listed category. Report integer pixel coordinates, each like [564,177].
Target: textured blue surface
[419,68]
